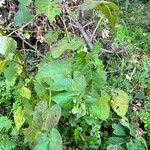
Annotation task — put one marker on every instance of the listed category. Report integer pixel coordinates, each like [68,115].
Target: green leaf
[42,146]
[39,110]
[12,72]
[94,110]
[120,103]
[97,78]
[64,99]
[92,69]
[63,45]
[19,118]
[56,75]
[147,106]
[61,82]
[76,134]
[79,82]
[40,89]
[96,50]
[104,107]
[41,107]
[6,144]
[101,108]
[7,45]
[41,142]
[114,147]
[23,15]
[109,9]
[125,122]
[53,68]
[118,130]
[133,131]
[55,140]
[106,11]
[3,64]
[5,123]
[52,141]
[51,37]
[114,140]
[89,4]
[75,43]
[48,7]
[51,117]
[140,95]
[24,92]
[79,61]
[135,144]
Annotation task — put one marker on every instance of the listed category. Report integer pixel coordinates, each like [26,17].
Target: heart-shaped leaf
[51,117]
[120,103]
[52,141]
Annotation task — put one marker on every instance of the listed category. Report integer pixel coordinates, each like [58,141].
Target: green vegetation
[74,75]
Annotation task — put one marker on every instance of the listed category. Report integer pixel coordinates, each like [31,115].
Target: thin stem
[96,28]
[67,33]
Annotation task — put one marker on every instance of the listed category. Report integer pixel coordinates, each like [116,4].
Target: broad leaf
[92,69]
[89,4]
[12,71]
[23,15]
[41,107]
[125,122]
[106,8]
[135,144]
[120,103]
[19,118]
[3,64]
[63,45]
[48,7]
[39,110]
[53,68]
[40,89]
[6,144]
[56,75]
[55,140]
[114,140]
[61,82]
[114,147]
[42,146]
[104,107]
[5,123]
[51,117]
[41,142]
[101,108]
[52,141]
[79,82]
[64,99]
[94,110]
[118,130]
[7,45]
[24,92]
[109,9]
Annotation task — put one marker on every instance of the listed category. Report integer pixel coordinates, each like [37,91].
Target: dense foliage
[74,75]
